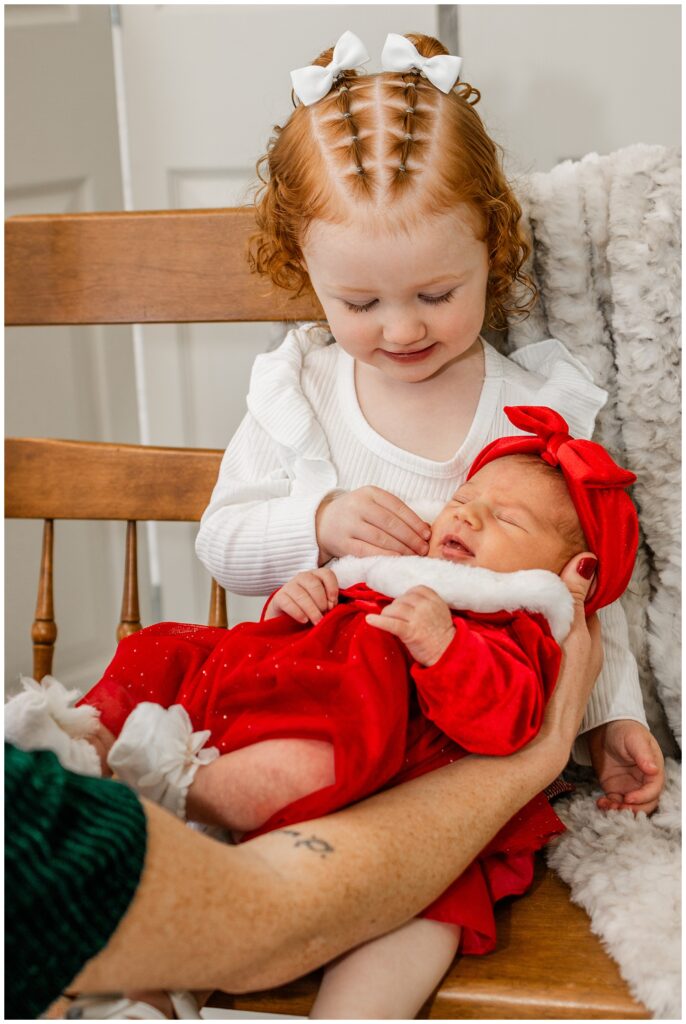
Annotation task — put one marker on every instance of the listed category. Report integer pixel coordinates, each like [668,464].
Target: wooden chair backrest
[117,268]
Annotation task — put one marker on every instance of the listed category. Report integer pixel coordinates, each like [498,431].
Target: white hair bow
[312,83]
[399,54]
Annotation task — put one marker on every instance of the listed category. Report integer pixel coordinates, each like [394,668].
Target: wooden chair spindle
[218,615]
[44,629]
[130,621]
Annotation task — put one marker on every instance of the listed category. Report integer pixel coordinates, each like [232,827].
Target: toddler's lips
[410,357]
[453,549]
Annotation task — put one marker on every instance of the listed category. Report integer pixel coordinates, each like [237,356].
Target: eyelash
[431,300]
[463,501]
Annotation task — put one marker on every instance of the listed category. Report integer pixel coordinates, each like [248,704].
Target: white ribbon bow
[313,82]
[399,54]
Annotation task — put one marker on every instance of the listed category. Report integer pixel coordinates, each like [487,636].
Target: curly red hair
[381,139]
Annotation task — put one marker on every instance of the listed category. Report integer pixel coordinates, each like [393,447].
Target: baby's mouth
[454,549]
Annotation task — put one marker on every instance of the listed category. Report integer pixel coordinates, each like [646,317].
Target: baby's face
[507,517]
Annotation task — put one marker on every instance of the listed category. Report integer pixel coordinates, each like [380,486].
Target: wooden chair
[190,267]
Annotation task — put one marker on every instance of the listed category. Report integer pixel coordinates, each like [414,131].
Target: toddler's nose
[403,331]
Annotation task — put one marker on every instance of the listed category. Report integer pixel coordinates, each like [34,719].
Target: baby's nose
[470,513]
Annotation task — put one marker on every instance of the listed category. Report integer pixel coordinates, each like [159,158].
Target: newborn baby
[368,672]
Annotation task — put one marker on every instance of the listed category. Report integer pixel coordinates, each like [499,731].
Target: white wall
[560,81]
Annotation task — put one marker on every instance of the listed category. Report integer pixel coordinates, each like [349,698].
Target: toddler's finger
[648,791]
[404,513]
[390,534]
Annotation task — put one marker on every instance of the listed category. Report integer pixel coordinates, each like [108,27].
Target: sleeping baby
[371,671]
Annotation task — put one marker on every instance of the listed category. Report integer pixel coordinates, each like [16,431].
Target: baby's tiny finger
[308,606]
[386,622]
[292,608]
[317,592]
[331,587]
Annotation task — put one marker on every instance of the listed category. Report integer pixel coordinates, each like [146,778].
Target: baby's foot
[157,754]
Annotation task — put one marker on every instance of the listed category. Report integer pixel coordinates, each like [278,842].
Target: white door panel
[62,157]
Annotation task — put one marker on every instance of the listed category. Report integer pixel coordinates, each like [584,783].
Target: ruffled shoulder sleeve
[276,398]
[554,377]
[277,402]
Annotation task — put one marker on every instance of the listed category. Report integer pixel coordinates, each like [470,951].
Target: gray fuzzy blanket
[607,260]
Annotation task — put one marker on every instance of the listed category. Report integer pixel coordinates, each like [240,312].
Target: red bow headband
[596,485]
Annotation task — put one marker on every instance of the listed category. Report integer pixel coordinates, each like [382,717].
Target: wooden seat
[173,267]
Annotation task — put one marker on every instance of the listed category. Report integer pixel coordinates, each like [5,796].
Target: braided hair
[388,138]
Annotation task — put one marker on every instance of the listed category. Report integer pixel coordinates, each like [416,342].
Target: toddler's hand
[422,620]
[369,521]
[629,765]
[306,597]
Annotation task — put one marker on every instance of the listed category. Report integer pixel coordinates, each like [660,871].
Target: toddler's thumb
[579,577]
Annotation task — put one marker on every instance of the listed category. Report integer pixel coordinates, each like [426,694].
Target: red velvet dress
[388,718]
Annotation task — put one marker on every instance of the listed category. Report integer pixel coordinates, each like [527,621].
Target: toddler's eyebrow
[351,289]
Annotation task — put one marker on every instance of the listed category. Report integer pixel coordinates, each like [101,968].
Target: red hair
[381,139]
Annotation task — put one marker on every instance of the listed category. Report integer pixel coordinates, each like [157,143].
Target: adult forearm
[240,918]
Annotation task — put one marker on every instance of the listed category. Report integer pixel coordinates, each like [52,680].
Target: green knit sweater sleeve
[74,852]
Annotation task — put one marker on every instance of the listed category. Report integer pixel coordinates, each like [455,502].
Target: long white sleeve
[255,534]
[617,693]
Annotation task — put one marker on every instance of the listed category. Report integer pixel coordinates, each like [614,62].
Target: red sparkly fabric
[387,718]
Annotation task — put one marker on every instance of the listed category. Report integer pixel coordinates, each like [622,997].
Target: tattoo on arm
[313,843]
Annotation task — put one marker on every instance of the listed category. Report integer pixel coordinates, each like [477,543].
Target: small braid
[409,119]
[351,129]
[344,107]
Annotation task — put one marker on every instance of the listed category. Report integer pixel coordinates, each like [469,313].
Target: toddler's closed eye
[433,300]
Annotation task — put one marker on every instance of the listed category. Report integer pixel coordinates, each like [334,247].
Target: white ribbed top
[305,435]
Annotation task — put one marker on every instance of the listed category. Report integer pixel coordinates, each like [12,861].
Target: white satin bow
[313,82]
[399,54]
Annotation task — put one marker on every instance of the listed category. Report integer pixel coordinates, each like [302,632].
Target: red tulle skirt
[342,682]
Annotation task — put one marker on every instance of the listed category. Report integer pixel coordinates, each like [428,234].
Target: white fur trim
[464,587]
[42,718]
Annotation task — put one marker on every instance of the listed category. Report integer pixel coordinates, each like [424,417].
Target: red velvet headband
[596,485]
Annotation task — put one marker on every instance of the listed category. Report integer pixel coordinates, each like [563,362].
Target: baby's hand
[629,765]
[306,597]
[369,521]
[422,620]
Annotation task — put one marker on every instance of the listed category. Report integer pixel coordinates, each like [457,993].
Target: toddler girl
[384,195]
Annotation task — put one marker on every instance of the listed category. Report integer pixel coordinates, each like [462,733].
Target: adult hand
[422,620]
[306,597]
[629,765]
[582,660]
[369,521]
